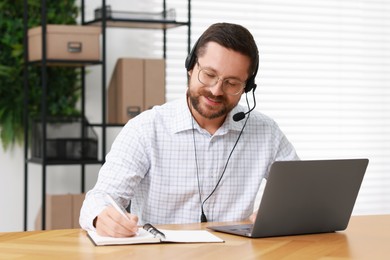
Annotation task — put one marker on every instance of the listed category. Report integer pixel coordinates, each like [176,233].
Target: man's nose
[217,89]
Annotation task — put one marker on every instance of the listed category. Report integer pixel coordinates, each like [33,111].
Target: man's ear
[189,74]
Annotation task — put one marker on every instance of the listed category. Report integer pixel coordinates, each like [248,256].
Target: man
[188,160]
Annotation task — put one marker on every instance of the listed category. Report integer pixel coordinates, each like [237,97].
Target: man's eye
[231,83]
[209,74]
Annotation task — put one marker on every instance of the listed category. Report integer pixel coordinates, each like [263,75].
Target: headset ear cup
[191,58]
[250,84]
[190,61]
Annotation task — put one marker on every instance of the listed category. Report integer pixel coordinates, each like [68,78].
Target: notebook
[146,237]
[305,197]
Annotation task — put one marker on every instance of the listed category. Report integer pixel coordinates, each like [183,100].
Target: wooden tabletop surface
[367,237]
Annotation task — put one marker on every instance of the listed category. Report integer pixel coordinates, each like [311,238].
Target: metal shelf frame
[45,62]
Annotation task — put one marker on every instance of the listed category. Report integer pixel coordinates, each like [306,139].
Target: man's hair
[230,36]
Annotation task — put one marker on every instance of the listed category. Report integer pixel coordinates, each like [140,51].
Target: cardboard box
[65,42]
[62,211]
[77,202]
[154,82]
[136,85]
[125,94]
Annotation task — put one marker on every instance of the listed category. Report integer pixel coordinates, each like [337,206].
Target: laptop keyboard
[245,227]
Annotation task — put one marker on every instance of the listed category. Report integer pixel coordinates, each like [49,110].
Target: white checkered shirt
[152,164]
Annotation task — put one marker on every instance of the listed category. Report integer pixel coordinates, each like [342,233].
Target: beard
[205,110]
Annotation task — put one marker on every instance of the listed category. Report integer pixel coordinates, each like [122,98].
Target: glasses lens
[229,86]
[232,86]
[207,78]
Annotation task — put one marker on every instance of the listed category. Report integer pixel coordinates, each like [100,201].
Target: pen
[116,206]
[157,233]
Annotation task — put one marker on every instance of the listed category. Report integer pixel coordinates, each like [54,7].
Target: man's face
[212,102]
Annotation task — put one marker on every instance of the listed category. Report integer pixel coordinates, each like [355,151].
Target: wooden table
[367,237]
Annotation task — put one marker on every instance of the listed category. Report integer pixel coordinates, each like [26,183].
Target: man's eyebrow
[215,71]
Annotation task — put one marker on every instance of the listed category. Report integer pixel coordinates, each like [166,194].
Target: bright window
[324,76]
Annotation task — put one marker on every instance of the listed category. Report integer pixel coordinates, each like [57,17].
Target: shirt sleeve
[125,166]
[284,150]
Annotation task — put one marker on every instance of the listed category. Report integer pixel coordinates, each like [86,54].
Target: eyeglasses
[230,86]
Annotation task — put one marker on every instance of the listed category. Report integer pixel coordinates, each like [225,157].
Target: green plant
[63,90]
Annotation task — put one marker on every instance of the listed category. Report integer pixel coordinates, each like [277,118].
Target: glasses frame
[243,84]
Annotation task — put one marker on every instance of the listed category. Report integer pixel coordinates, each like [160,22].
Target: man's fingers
[112,223]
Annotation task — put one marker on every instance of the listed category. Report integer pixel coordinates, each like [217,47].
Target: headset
[191,59]
[250,86]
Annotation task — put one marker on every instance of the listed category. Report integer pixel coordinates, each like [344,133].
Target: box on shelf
[154,82]
[77,202]
[136,85]
[167,15]
[62,211]
[66,139]
[65,42]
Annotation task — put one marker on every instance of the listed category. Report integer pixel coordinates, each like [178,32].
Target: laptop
[305,197]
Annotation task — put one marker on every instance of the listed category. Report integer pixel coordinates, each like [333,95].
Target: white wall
[11,189]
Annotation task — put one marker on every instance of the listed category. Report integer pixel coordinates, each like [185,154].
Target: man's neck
[210,125]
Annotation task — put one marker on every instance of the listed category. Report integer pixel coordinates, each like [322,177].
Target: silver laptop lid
[303,197]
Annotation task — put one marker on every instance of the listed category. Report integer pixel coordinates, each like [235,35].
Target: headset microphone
[241,115]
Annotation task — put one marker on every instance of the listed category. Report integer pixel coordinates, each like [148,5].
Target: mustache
[206,93]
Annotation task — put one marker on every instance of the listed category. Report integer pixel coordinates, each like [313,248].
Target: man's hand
[112,223]
[252,217]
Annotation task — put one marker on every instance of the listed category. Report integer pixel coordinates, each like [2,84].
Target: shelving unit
[104,23]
